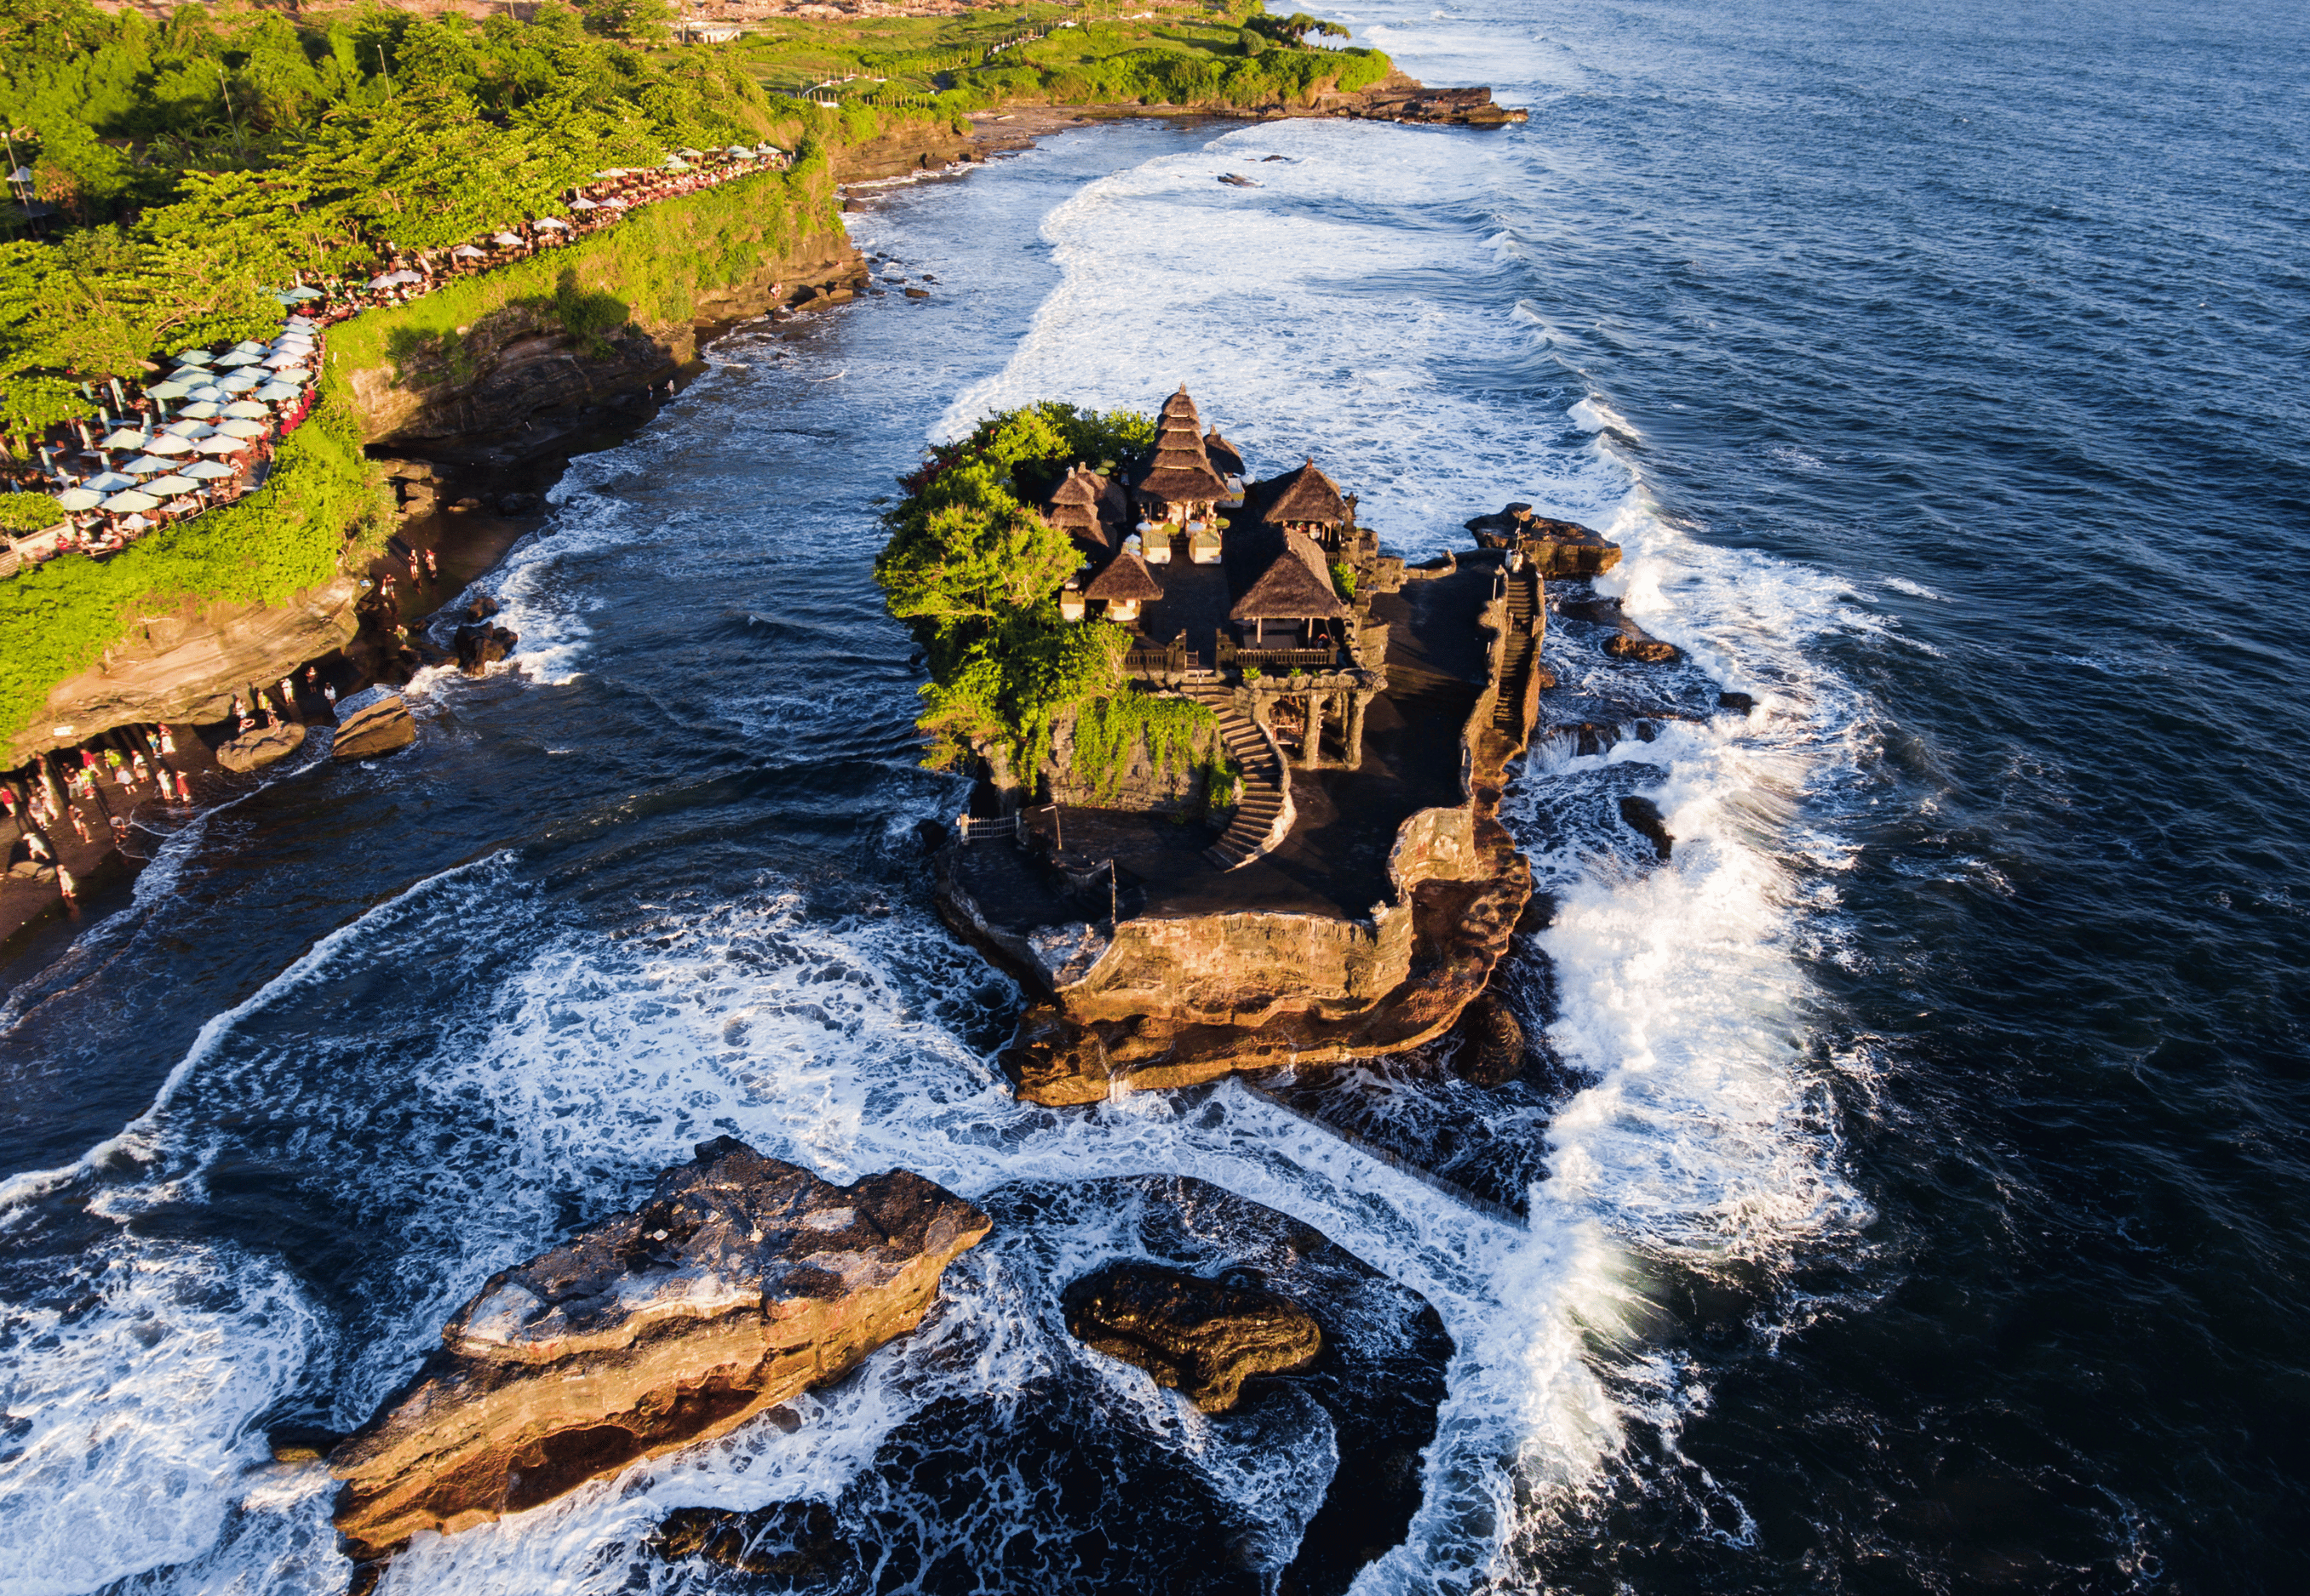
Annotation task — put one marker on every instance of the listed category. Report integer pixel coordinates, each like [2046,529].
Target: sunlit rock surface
[741,1282]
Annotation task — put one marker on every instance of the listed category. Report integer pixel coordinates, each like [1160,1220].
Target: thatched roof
[1307,495]
[1085,505]
[1181,473]
[1223,455]
[1126,577]
[1296,585]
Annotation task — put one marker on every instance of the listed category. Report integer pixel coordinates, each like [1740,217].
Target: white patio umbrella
[145,466]
[172,484]
[208,470]
[505,241]
[169,443]
[677,165]
[246,410]
[302,293]
[135,524]
[582,204]
[286,357]
[406,275]
[298,324]
[74,500]
[467,252]
[385,282]
[124,438]
[240,382]
[238,428]
[224,443]
[172,388]
[248,346]
[555,223]
[110,481]
[613,203]
[208,393]
[691,154]
[240,357]
[193,357]
[189,430]
[203,409]
[131,499]
[277,393]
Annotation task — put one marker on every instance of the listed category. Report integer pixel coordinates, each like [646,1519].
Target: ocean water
[1923,1189]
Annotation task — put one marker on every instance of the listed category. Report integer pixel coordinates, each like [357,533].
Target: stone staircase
[1263,812]
[1515,661]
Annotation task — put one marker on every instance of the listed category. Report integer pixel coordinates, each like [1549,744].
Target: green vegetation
[1343,580]
[1094,54]
[21,513]
[199,167]
[976,571]
[56,620]
[1109,731]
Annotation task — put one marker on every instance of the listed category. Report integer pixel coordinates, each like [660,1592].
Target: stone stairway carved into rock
[1263,812]
[1515,661]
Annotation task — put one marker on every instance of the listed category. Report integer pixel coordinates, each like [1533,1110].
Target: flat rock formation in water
[253,750]
[381,727]
[741,1282]
[1203,1337]
[1308,1477]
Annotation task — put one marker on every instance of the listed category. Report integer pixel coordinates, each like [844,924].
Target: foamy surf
[562,1059]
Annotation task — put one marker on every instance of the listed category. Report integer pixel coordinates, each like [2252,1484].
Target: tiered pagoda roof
[1182,472]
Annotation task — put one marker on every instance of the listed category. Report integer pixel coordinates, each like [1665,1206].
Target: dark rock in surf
[482,607]
[1538,914]
[481,645]
[741,1282]
[794,1540]
[382,727]
[1492,1042]
[918,293]
[1124,1496]
[1644,816]
[1203,1337]
[1632,643]
[1552,548]
[1742,702]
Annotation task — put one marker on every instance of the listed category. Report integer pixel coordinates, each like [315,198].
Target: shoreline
[483,469]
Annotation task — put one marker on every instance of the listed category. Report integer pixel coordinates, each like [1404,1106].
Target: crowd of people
[118,476]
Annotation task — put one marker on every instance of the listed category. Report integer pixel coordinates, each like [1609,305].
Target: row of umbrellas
[226,395]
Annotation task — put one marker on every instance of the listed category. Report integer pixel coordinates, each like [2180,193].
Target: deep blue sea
[1928,1204]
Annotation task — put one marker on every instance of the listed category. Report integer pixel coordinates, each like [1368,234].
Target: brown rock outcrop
[1552,548]
[1645,649]
[741,1282]
[1643,817]
[480,645]
[382,727]
[1203,1337]
[187,667]
[253,750]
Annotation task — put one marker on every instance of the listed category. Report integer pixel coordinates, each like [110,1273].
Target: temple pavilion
[1271,586]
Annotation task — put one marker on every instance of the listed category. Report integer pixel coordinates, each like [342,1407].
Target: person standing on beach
[68,887]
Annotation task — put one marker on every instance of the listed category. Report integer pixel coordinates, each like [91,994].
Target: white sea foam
[842,1044]
[129,1416]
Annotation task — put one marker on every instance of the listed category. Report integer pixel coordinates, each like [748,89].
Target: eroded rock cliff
[742,1282]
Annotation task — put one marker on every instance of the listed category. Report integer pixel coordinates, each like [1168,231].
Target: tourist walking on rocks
[432,568]
[68,887]
[79,826]
[167,741]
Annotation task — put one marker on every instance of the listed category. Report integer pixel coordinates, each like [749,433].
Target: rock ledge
[742,1282]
